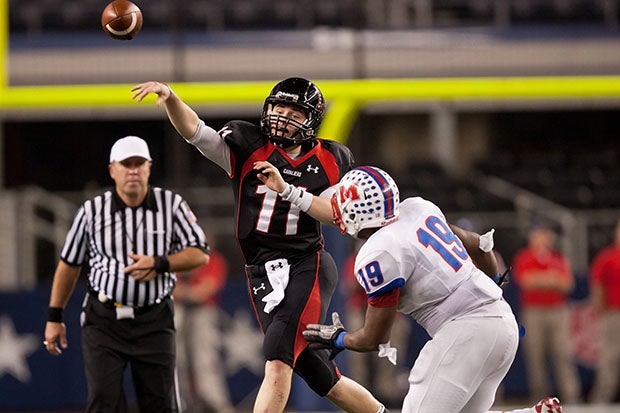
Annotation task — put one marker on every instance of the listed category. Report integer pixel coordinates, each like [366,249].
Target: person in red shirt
[202,375]
[544,277]
[605,295]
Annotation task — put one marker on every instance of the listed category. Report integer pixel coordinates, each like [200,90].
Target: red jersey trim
[329,162]
[310,315]
[389,299]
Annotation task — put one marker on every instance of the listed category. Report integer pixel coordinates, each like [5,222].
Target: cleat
[548,405]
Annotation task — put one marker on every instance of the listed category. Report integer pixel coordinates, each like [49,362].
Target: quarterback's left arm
[321,210]
[317,207]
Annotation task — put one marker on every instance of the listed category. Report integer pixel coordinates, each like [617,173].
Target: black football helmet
[297,92]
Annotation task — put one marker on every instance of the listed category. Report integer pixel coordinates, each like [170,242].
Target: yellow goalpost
[345,97]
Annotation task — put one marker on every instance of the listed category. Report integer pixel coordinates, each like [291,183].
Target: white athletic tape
[386,350]
[486,241]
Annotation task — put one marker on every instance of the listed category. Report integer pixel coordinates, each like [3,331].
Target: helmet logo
[287,96]
[350,192]
[367,197]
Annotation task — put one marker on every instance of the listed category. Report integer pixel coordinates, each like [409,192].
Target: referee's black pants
[146,343]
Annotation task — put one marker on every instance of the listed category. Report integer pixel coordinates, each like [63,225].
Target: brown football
[121,20]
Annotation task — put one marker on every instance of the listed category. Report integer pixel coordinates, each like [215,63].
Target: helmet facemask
[278,124]
[344,217]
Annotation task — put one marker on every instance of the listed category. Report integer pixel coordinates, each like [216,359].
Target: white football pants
[460,369]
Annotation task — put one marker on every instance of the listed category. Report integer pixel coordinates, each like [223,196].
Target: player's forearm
[368,338]
[486,262]
[377,328]
[321,210]
[183,118]
[357,341]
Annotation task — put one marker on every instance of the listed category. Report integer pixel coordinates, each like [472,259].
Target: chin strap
[282,142]
[286,142]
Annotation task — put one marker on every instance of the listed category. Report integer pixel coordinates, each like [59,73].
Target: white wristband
[297,196]
[287,191]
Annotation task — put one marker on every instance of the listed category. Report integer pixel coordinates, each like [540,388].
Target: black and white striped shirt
[107,230]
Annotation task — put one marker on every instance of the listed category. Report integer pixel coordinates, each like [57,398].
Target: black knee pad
[315,367]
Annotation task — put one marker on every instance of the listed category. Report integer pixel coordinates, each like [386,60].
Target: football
[121,19]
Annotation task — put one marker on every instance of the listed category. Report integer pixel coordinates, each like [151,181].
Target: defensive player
[414,262]
[291,278]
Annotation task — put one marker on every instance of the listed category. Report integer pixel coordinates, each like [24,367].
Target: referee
[134,237]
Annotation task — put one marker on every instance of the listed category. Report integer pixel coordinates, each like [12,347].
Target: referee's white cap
[129,146]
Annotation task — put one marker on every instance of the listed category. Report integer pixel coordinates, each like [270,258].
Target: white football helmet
[366,197]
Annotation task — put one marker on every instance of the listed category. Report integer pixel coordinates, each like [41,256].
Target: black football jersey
[268,227]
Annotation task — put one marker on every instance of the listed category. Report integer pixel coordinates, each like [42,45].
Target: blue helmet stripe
[385,188]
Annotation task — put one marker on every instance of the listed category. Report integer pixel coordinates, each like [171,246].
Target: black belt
[111,304]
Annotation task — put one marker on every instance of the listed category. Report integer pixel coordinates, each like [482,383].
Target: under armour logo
[257,289]
[276,266]
[314,169]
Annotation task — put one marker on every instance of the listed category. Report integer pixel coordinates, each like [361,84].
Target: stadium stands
[575,180]
[34,16]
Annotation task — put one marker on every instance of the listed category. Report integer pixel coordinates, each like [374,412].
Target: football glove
[327,336]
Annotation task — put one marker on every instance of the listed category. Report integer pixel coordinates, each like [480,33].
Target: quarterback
[291,278]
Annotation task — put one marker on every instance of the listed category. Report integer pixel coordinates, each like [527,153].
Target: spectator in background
[387,381]
[605,293]
[202,376]
[545,278]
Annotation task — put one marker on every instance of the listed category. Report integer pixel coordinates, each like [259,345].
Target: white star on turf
[14,350]
[243,343]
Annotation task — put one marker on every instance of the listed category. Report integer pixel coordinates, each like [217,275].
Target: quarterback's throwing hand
[327,336]
[162,91]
